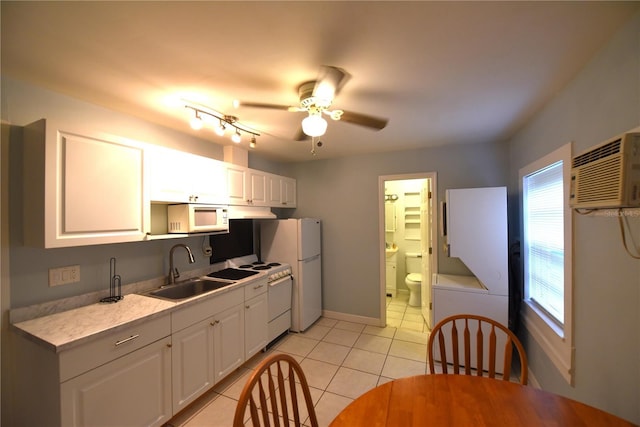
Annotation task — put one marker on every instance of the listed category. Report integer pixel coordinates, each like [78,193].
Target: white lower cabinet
[133,390]
[228,345]
[256,317]
[144,374]
[120,379]
[192,363]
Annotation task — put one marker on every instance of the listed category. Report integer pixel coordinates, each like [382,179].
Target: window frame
[555,340]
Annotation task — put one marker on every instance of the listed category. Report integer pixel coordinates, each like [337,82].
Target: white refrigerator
[297,242]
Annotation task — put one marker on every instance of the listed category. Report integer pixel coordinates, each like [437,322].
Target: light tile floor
[341,361]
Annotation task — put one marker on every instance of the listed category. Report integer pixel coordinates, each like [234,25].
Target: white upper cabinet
[251,187]
[247,187]
[237,184]
[288,189]
[82,187]
[281,191]
[179,177]
[257,188]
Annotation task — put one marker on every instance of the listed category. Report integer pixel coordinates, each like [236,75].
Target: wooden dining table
[464,400]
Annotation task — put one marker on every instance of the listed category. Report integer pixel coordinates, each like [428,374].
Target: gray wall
[601,102]
[343,193]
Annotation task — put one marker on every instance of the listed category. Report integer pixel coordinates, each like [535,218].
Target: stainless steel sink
[188,289]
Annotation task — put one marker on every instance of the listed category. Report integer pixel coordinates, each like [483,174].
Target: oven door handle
[280,281]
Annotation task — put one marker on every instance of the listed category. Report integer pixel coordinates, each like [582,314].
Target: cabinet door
[192,363]
[228,341]
[274,190]
[134,390]
[168,175]
[237,185]
[289,199]
[208,180]
[256,325]
[180,177]
[391,278]
[257,188]
[82,187]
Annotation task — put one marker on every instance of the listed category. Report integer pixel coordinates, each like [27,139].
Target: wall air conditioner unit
[607,175]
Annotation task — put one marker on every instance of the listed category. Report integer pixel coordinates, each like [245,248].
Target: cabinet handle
[131,338]
[169,345]
[258,286]
[214,323]
[247,307]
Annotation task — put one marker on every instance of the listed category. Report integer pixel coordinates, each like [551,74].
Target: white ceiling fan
[316,98]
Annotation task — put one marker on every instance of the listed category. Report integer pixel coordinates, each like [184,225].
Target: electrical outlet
[64,275]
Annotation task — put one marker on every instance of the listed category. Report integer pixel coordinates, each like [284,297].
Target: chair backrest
[487,334]
[277,393]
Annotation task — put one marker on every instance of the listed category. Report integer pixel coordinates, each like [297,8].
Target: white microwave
[194,218]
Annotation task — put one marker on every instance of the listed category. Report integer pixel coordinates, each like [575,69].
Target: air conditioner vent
[601,152]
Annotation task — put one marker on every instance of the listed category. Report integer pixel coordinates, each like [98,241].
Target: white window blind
[544,239]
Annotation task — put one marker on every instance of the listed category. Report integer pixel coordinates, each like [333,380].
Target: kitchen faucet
[173,272]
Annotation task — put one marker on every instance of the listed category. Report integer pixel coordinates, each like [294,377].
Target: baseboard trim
[351,318]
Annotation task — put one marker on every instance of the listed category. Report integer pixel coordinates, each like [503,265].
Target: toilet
[413,263]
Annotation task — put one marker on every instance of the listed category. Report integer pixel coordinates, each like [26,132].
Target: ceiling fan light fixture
[314,125]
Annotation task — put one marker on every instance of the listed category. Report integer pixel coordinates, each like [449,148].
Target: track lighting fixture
[224,120]
[196,121]
[236,137]
[221,128]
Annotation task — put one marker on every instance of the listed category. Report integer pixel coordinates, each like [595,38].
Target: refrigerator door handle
[313,258]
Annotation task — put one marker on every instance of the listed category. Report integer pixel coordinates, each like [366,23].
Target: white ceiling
[441,72]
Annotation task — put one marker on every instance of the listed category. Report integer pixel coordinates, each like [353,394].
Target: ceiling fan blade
[377,123]
[269,106]
[329,82]
[301,136]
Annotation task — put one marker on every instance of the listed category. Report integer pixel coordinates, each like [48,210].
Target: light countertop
[67,329]
[70,328]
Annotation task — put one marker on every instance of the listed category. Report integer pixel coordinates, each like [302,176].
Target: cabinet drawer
[105,349]
[201,310]
[256,288]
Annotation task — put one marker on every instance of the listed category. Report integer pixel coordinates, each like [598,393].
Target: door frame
[382,179]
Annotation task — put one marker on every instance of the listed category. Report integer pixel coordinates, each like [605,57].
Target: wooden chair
[447,333]
[275,394]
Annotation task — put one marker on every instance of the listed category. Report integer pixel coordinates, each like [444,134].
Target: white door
[426,250]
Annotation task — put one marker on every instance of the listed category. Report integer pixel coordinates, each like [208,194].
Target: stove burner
[262,267]
[246,266]
[231,274]
[274,264]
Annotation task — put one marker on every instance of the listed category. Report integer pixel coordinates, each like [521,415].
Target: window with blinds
[543,216]
[547,257]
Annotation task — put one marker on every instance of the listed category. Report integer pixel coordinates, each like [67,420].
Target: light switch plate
[64,275]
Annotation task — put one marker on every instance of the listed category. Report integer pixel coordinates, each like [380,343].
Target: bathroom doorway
[408,216]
